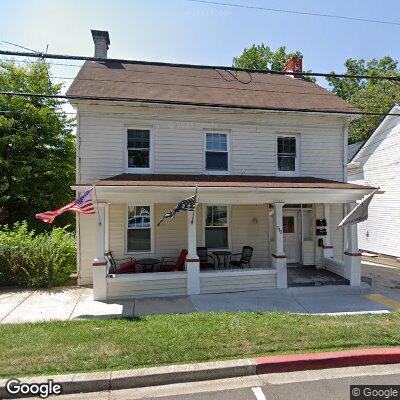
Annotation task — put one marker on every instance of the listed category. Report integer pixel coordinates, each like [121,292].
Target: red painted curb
[348,358]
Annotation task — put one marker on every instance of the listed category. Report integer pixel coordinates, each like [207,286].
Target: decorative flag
[83,205]
[359,213]
[188,204]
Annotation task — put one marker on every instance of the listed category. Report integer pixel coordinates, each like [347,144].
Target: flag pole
[195,204]
[97,204]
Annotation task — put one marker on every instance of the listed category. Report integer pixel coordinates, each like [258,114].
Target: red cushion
[127,267]
[181,260]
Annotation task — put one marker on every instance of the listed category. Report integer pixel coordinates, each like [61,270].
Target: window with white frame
[139,229]
[138,148]
[216,152]
[287,154]
[216,227]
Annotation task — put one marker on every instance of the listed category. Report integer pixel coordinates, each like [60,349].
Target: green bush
[36,260]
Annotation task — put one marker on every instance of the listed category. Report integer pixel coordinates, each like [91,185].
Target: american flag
[83,205]
[184,205]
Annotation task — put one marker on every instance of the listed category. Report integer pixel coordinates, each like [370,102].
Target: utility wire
[278,10]
[226,68]
[197,104]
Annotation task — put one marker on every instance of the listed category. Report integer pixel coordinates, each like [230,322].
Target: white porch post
[328,248]
[192,260]
[352,255]
[100,263]
[278,255]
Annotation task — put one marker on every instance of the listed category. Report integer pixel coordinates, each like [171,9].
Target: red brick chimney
[294,64]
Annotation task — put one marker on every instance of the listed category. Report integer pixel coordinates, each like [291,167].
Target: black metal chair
[115,264]
[204,258]
[245,258]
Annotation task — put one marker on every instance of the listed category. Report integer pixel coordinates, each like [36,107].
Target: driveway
[385,277]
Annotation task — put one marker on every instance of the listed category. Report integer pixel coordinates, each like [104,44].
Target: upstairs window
[216,227]
[216,152]
[138,148]
[287,154]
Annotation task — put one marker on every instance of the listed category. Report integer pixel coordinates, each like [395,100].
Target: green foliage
[264,58]
[37,146]
[369,95]
[36,260]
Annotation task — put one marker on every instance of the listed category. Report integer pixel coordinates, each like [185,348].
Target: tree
[371,95]
[264,58]
[37,146]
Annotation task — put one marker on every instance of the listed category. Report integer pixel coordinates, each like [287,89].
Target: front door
[292,235]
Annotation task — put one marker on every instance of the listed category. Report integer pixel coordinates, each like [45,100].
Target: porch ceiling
[225,189]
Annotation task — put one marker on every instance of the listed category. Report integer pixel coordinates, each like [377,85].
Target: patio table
[149,263]
[223,253]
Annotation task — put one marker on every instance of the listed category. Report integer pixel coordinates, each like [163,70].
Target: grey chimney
[101,41]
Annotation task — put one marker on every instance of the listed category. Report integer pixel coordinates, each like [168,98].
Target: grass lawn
[76,346]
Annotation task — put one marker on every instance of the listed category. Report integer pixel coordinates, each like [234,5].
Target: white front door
[292,235]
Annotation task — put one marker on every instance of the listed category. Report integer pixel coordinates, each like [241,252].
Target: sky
[182,31]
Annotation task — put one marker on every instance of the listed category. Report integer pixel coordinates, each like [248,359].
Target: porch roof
[224,181]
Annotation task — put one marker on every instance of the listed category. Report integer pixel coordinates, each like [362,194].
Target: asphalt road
[305,385]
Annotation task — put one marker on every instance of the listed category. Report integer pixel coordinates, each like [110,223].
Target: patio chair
[204,258]
[121,265]
[179,265]
[245,257]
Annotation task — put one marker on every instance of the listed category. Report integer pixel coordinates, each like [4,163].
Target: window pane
[138,139]
[209,216]
[216,238]
[288,224]
[139,240]
[216,142]
[286,163]
[138,158]
[216,216]
[216,161]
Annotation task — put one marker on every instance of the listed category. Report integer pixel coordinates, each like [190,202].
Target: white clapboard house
[377,163]
[269,163]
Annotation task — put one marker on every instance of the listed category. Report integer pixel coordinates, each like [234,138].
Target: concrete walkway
[68,303]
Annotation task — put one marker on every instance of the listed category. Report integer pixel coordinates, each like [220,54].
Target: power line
[226,68]
[21,47]
[278,10]
[197,104]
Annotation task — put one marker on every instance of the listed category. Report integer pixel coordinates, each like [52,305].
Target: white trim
[125,150]
[244,272]
[228,151]
[296,172]
[152,226]
[228,219]
[154,276]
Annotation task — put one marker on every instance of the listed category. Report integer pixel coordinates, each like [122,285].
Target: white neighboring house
[270,175]
[377,163]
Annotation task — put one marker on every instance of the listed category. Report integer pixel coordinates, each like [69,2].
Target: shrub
[36,260]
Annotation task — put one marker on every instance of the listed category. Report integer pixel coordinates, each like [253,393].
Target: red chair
[121,266]
[178,266]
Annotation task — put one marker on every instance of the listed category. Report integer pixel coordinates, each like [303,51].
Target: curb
[144,377]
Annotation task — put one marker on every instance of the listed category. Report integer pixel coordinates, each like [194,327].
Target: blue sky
[187,32]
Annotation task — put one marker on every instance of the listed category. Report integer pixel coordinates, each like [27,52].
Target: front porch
[281,224]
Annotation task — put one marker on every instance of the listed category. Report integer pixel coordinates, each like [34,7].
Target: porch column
[328,248]
[192,260]
[352,255]
[278,255]
[100,263]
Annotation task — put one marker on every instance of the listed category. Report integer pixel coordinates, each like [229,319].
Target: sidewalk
[68,303]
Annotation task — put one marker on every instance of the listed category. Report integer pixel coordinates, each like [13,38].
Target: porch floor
[299,275]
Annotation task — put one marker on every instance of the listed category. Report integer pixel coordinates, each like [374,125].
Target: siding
[147,285]
[237,281]
[336,215]
[179,141]
[86,248]
[380,166]
[249,226]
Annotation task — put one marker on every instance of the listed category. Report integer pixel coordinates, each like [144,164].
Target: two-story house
[267,153]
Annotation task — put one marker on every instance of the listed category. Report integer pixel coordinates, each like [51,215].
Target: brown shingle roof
[228,181]
[202,86]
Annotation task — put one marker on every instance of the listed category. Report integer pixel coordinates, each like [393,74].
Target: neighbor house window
[216,227]
[217,152]
[138,147]
[287,154]
[139,229]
